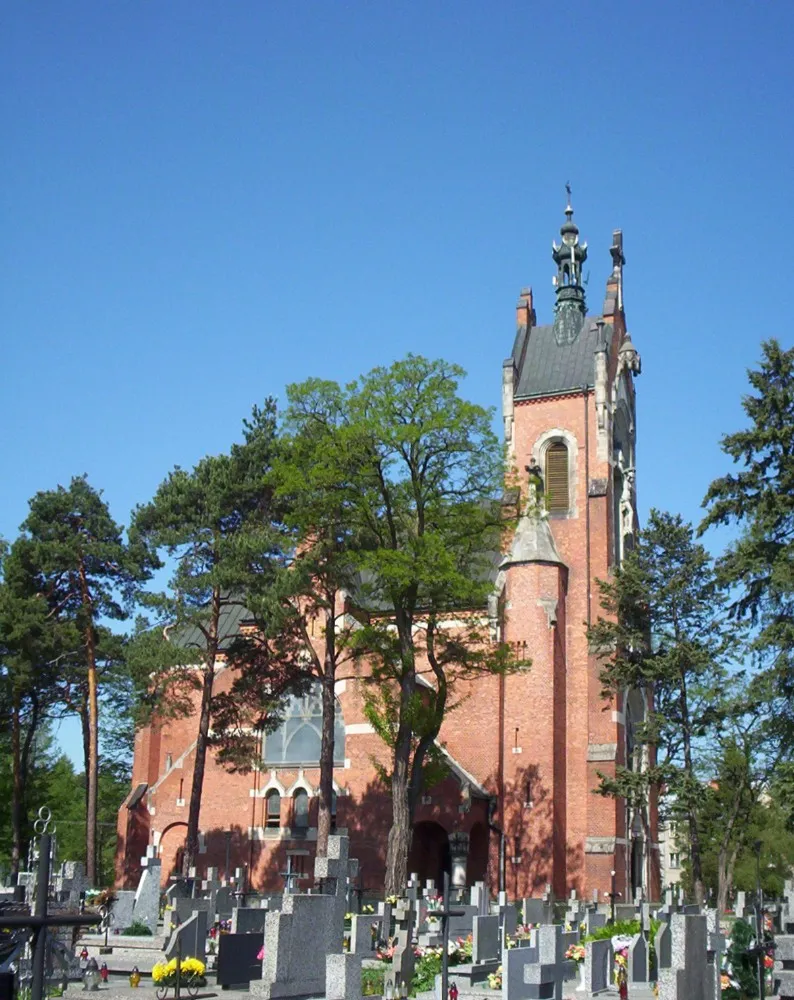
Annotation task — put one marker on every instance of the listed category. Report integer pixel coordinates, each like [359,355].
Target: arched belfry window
[557,484]
[297,740]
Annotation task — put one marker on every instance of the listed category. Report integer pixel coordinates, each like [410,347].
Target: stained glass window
[297,740]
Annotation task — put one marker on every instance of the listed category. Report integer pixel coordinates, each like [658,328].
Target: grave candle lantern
[91,976]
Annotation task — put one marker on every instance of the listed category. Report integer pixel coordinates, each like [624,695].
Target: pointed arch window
[557,484]
[273,810]
[300,809]
[299,737]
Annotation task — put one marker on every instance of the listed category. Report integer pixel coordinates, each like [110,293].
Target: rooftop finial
[568,208]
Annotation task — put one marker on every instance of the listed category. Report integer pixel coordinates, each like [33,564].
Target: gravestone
[784,966]
[398,977]
[598,960]
[714,951]
[687,977]
[740,909]
[306,930]
[485,940]
[535,972]
[146,909]
[185,908]
[479,898]
[508,919]
[238,962]
[593,921]
[385,917]
[249,919]
[123,908]
[343,977]
[537,911]
[662,944]
[190,938]
[638,961]
[361,934]
[210,887]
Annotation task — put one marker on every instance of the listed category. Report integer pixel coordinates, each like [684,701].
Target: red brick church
[517,806]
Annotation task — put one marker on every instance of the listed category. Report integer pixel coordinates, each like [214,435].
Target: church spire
[569,311]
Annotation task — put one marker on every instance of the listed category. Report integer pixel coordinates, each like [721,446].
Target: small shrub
[137,929]
[372,982]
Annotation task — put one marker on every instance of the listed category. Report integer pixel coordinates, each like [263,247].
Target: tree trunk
[327,745]
[401,830]
[724,866]
[16,793]
[202,739]
[92,762]
[694,831]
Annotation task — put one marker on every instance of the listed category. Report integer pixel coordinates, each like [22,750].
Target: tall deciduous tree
[73,555]
[217,524]
[759,498]
[416,469]
[666,633]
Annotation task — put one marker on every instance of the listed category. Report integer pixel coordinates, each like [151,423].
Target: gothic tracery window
[298,739]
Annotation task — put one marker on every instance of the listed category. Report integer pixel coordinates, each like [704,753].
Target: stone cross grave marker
[397,980]
[535,972]
[508,919]
[740,907]
[210,887]
[307,929]
[479,898]
[638,961]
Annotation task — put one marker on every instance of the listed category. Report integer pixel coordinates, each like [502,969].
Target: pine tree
[72,553]
[665,634]
[759,498]
[217,524]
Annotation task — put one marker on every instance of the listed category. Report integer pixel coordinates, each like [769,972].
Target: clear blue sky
[203,202]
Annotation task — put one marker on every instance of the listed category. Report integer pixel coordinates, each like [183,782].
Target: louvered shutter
[557,498]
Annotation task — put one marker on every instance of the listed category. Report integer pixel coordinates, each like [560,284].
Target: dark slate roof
[549,368]
[231,618]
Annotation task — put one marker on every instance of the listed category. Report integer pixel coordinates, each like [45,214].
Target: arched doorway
[429,856]
[171,847]
[477,865]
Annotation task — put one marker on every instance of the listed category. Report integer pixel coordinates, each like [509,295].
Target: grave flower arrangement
[495,979]
[522,933]
[191,971]
[575,953]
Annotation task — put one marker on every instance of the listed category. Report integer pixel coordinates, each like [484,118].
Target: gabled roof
[549,368]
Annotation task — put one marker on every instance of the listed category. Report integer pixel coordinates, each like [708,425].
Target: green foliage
[137,929]
[667,631]
[372,982]
[414,469]
[759,498]
[744,968]
[425,971]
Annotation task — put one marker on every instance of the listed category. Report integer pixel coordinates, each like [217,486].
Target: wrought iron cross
[445,913]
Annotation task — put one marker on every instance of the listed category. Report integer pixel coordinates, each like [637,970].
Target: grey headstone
[192,937]
[638,961]
[343,977]
[123,908]
[485,939]
[598,959]
[361,935]
[147,896]
[248,920]
[537,911]
[687,976]
[784,965]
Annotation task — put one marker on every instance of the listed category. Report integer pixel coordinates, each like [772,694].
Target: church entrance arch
[429,856]
[171,846]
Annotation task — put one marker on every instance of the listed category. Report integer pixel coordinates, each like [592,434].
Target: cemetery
[207,935]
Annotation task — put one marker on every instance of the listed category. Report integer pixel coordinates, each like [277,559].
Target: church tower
[568,400]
